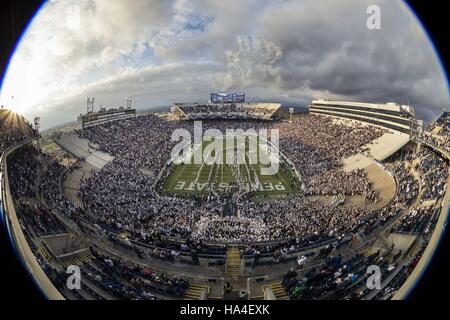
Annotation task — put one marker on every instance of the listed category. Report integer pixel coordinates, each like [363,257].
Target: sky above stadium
[165,51]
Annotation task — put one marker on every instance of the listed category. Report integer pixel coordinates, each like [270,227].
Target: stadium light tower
[37,127]
[129,102]
[291,112]
[90,105]
[37,124]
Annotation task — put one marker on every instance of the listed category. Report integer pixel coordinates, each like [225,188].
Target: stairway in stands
[368,251]
[278,290]
[44,253]
[194,292]
[72,195]
[77,260]
[233,267]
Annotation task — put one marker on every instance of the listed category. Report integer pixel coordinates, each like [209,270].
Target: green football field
[204,178]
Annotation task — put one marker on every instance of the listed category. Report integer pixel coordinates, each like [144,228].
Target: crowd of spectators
[229,111]
[339,277]
[337,182]
[23,169]
[138,282]
[120,196]
[416,221]
[433,172]
[13,129]
[34,184]
[23,172]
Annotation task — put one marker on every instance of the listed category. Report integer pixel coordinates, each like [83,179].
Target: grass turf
[201,178]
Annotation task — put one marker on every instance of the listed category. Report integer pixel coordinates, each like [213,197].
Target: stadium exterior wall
[106,116]
[390,115]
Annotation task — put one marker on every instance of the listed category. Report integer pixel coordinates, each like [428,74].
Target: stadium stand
[257,111]
[133,240]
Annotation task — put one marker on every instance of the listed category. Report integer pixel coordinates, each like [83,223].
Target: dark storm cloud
[327,47]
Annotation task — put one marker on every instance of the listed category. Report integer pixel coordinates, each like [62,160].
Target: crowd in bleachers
[337,182]
[318,144]
[415,221]
[138,283]
[119,197]
[301,216]
[123,198]
[23,175]
[34,175]
[13,129]
[40,217]
[338,278]
[433,172]
[438,133]
[144,142]
[406,196]
[230,111]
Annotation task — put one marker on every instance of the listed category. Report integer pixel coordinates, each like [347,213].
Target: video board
[227,97]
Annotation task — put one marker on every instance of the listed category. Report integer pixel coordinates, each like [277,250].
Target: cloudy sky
[165,51]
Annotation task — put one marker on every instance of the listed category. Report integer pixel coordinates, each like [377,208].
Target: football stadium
[227,199]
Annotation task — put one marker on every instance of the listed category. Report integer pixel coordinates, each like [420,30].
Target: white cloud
[252,64]
[60,49]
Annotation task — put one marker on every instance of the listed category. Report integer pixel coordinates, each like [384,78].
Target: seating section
[13,129]
[257,111]
[127,259]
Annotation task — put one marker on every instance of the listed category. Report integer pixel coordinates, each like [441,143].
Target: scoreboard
[227,97]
